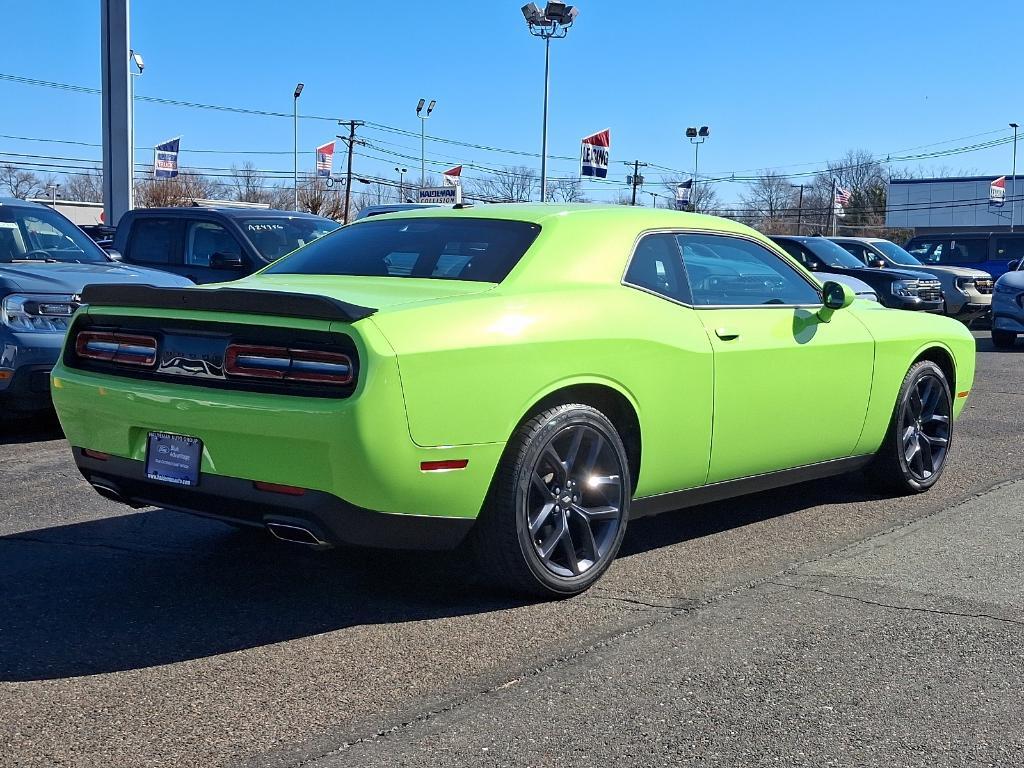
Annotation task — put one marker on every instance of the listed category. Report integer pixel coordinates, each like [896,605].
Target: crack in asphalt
[136,550]
[909,608]
[670,612]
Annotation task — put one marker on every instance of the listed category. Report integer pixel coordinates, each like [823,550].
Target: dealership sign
[997,192]
[165,159]
[441,195]
[594,151]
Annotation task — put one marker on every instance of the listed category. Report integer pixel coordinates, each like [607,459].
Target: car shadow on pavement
[36,428]
[157,587]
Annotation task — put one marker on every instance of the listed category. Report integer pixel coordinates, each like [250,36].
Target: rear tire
[1004,339]
[916,445]
[556,513]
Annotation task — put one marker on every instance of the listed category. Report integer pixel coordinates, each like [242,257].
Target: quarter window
[154,241]
[1009,248]
[731,271]
[656,267]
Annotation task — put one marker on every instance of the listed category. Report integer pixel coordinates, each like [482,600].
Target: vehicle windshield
[483,250]
[40,234]
[275,236]
[832,254]
[896,253]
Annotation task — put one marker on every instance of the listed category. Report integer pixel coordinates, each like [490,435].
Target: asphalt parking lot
[816,625]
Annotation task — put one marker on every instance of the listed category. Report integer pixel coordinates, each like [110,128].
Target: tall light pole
[697,136]
[1013,176]
[295,147]
[140,65]
[423,137]
[401,182]
[553,22]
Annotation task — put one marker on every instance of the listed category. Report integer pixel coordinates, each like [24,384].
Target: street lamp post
[295,146]
[401,182]
[423,136]
[697,136]
[1013,177]
[553,22]
[136,58]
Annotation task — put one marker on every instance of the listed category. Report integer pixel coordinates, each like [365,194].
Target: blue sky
[783,85]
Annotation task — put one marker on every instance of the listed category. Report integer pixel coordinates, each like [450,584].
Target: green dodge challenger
[522,379]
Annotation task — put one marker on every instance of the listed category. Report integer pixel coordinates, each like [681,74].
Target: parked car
[988,251]
[860,289]
[1008,306]
[45,263]
[528,376]
[967,292]
[896,288]
[101,234]
[212,245]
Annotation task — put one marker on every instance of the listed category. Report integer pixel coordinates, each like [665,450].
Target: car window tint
[1009,248]
[656,266]
[966,251]
[446,248]
[206,238]
[726,270]
[860,252]
[800,253]
[153,241]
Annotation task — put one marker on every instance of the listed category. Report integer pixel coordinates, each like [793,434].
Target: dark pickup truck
[213,244]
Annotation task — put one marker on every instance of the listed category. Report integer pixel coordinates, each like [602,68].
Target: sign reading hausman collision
[441,195]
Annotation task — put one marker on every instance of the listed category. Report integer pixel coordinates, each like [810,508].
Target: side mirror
[220,260]
[115,255]
[837,295]
[877,263]
[1013,265]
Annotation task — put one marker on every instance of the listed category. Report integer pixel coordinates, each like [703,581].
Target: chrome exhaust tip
[296,534]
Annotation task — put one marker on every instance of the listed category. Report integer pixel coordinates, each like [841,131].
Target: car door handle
[725,334]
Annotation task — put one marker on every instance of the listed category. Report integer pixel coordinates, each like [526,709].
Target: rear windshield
[275,236]
[483,250]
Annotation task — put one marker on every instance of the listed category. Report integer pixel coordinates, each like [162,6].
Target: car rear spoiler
[241,300]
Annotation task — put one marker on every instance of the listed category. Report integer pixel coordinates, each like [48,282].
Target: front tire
[557,510]
[1003,339]
[916,445]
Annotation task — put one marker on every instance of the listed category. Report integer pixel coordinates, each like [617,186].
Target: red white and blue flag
[594,153]
[325,160]
[452,177]
[165,159]
[997,192]
[842,200]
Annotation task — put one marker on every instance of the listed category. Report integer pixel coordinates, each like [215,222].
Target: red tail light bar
[126,348]
[284,364]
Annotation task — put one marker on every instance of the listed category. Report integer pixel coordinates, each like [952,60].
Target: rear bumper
[330,518]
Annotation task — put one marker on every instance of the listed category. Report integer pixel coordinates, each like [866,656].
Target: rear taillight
[126,348]
[284,364]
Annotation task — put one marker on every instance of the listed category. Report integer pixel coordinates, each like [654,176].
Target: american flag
[325,159]
[842,197]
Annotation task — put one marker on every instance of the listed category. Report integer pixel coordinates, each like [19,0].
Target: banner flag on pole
[683,195]
[594,153]
[452,177]
[997,192]
[165,159]
[842,200]
[324,160]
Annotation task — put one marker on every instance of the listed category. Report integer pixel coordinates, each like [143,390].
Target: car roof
[541,213]
[231,211]
[17,202]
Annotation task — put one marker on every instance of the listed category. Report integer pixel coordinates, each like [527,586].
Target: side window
[924,250]
[859,251]
[1009,248]
[801,254]
[731,271]
[205,238]
[656,266]
[154,241]
[969,251]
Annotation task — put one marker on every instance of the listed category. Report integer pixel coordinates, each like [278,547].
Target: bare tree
[770,199]
[316,197]
[514,185]
[181,190]
[247,184]
[568,189]
[86,186]
[21,183]
[703,199]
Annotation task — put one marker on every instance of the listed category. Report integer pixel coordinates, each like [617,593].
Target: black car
[896,288]
[210,244]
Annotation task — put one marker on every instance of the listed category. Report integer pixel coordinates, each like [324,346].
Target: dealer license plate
[173,459]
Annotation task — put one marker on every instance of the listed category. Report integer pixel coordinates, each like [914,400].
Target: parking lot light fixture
[295,150]
[136,59]
[697,136]
[553,22]
[423,115]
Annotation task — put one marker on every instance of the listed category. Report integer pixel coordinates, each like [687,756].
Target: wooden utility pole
[800,210]
[349,140]
[636,179]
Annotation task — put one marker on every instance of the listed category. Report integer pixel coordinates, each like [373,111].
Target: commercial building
[958,204]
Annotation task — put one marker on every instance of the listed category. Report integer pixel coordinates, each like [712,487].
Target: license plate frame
[173,459]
